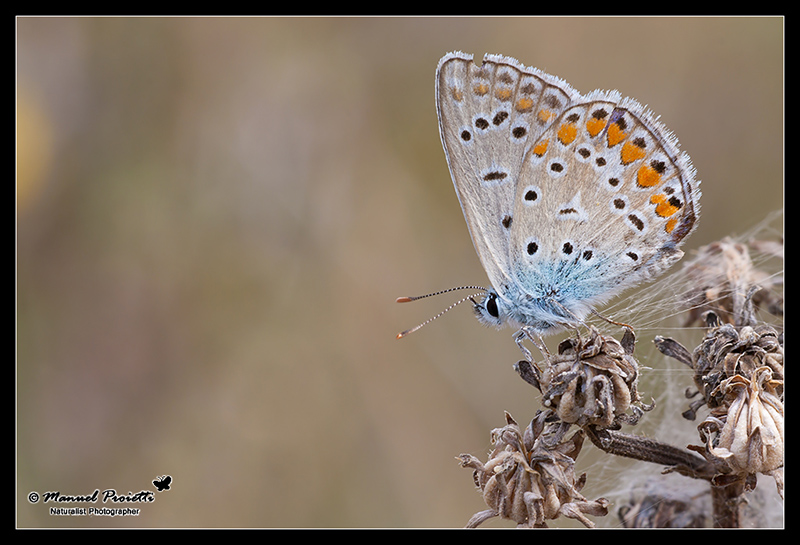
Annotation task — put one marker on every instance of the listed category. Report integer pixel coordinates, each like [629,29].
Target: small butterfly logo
[162,483]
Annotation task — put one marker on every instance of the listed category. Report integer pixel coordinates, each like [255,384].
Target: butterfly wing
[604,199]
[489,116]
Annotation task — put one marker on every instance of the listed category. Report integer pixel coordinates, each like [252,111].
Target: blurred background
[215,216]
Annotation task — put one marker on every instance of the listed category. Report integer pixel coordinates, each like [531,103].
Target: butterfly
[569,199]
[162,483]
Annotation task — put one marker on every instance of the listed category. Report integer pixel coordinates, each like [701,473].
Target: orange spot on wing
[615,135]
[594,126]
[663,206]
[541,147]
[503,94]
[647,176]
[671,225]
[630,153]
[545,115]
[524,104]
[567,133]
[480,89]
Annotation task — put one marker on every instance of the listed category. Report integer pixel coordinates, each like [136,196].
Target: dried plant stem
[727,500]
[650,450]
[728,503]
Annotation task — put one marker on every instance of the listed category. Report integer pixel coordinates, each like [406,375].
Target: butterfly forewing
[488,117]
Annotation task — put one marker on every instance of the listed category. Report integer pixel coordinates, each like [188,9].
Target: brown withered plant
[591,383]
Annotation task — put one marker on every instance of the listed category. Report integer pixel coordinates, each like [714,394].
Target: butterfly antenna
[429,320]
[418,297]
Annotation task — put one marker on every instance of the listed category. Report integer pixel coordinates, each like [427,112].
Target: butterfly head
[546,314]
[489,310]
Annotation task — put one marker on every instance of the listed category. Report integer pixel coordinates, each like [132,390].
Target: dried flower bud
[739,371]
[530,477]
[746,430]
[593,381]
[724,353]
[727,352]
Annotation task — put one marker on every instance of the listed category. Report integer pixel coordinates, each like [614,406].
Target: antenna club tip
[403,300]
[401,335]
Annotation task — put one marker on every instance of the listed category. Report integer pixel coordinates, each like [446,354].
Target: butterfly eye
[491,305]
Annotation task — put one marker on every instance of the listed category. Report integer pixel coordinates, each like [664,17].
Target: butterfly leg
[519,337]
[528,333]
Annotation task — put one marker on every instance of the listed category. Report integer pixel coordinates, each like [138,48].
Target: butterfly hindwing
[603,198]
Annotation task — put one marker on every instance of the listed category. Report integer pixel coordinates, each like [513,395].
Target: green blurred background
[215,215]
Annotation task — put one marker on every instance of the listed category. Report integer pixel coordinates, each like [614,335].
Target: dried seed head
[529,477]
[726,352]
[745,432]
[727,283]
[593,381]
[739,372]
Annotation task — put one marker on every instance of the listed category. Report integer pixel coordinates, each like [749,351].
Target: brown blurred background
[215,215]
